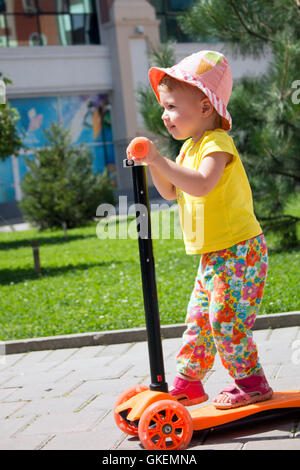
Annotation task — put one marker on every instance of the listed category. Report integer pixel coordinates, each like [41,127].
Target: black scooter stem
[142,210]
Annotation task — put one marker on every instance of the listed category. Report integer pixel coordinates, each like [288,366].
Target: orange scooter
[150,412]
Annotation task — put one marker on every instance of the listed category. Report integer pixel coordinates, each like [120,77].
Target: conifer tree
[60,188]
[149,107]
[266,108]
[10,141]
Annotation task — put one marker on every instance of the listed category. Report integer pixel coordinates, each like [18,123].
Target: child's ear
[206,107]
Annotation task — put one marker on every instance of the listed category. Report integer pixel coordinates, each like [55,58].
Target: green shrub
[60,188]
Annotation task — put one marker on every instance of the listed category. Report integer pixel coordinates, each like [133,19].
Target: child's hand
[148,154]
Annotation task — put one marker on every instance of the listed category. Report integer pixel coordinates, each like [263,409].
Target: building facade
[80,62]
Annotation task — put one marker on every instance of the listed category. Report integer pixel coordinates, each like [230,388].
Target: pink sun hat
[207,70]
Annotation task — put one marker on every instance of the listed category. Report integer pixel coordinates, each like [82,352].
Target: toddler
[218,221]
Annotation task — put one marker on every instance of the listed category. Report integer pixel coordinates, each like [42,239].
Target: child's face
[183,115]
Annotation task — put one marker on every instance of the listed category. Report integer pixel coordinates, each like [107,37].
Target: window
[48,22]
[3,38]
[166,12]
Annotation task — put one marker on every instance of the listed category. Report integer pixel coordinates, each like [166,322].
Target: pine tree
[60,188]
[149,107]
[10,141]
[265,109]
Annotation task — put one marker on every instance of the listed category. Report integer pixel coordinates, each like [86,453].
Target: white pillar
[130,31]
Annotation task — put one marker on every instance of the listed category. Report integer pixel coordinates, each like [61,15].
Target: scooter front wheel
[127,426]
[165,425]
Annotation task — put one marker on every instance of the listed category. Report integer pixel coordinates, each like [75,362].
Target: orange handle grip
[138,147]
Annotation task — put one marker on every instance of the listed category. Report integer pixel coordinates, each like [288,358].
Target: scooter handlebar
[138,148]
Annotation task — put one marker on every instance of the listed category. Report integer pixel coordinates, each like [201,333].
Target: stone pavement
[63,399]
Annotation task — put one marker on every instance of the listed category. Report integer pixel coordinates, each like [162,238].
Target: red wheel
[127,426]
[165,425]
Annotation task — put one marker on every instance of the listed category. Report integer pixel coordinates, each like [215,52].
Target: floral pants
[222,309]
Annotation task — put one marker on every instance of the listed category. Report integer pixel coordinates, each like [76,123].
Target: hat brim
[156,74]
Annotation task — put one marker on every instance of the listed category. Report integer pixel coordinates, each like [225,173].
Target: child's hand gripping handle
[138,148]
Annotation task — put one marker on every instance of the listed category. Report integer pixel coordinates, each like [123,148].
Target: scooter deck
[208,416]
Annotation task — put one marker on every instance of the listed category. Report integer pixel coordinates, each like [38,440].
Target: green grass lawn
[88,284]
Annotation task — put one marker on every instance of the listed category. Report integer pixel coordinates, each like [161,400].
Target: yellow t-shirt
[225,216]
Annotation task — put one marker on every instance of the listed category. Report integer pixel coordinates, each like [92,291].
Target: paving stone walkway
[63,399]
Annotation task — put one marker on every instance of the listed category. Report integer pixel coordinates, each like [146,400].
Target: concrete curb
[132,335]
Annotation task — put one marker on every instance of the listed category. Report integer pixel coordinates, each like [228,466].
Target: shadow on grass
[278,249]
[18,275]
[42,241]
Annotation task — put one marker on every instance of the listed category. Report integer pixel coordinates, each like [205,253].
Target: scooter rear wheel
[125,425]
[165,425]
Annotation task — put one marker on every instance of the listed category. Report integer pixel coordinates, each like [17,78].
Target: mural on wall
[86,116]
[7,192]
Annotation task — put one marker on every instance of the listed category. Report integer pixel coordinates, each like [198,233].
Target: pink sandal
[244,392]
[188,392]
